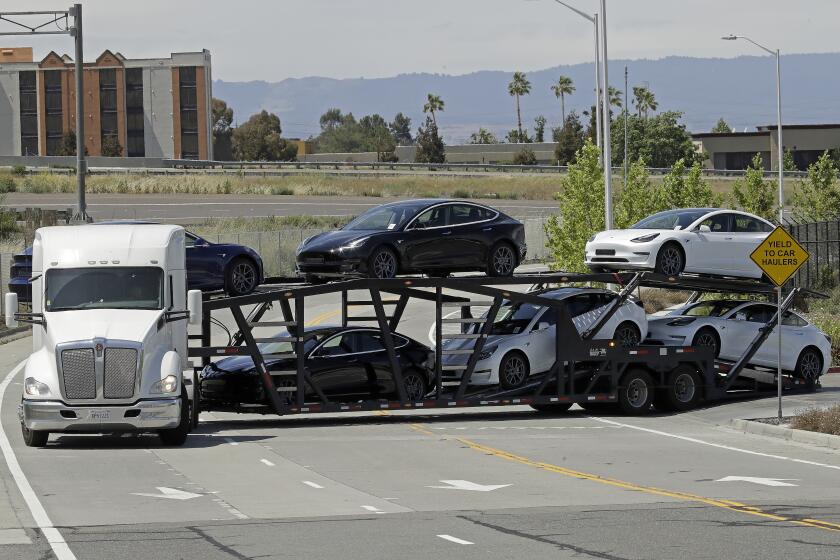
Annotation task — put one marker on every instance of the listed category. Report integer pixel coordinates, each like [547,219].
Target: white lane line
[39,514]
[373,509]
[718,445]
[231,441]
[312,484]
[266,462]
[456,540]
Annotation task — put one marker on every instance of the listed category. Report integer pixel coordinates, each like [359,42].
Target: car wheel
[628,334]
[415,385]
[242,277]
[808,367]
[707,337]
[670,261]
[635,393]
[682,391]
[514,370]
[552,408]
[178,435]
[502,260]
[382,263]
[34,438]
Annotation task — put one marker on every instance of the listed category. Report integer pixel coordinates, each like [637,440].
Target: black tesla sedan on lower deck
[433,236]
[347,363]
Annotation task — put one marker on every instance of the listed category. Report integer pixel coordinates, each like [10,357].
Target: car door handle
[729,238]
[447,232]
[487,229]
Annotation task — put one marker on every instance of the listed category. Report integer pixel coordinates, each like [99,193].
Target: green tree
[68,145]
[817,198]
[753,193]
[259,139]
[525,156]
[637,197]
[581,211]
[564,86]
[483,136]
[222,121]
[685,187]
[433,104]
[518,137]
[331,119]
[377,137]
[569,138]
[539,129]
[430,146]
[614,96]
[660,140]
[401,130]
[644,100]
[721,127]
[518,87]
[111,147]
[788,163]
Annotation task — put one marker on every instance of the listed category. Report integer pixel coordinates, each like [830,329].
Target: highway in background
[193,208]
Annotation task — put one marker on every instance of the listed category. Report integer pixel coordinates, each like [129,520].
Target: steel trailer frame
[585,370]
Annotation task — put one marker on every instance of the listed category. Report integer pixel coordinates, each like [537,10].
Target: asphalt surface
[192,208]
[368,485]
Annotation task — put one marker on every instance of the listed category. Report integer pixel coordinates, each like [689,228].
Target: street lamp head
[729,37]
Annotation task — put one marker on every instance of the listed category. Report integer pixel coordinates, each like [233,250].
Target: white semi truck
[109,312]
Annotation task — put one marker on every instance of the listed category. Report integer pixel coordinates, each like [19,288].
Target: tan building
[133,107]
[735,150]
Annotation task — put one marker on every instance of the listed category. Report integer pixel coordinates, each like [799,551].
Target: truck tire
[681,392]
[552,408]
[635,393]
[178,435]
[34,438]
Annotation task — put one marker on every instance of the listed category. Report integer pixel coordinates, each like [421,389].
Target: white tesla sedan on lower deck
[698,240]
[522,341]
[728,326]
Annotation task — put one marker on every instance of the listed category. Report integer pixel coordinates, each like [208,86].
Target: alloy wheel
[244,278]
[628,336]
[671,261]
[809,365]
[414,387]
[503,260]
[384,265]
[708,340]
[514,371]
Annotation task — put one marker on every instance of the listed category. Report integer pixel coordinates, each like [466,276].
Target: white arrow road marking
[456,540]
[373,509]
[467,485]
[266,462]
[312,484]
[169,494]
[758,480]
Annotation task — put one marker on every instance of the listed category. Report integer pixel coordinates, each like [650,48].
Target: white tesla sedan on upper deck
[699,240]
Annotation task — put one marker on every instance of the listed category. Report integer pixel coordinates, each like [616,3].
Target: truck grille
[120,373]
[78,368]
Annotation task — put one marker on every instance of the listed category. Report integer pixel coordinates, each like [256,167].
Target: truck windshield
[104,288]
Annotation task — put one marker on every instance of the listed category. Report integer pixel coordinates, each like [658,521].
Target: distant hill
[741,90]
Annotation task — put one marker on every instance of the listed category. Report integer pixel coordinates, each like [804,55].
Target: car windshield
[671,219]
[711,308]
[383,218]
[104,288]
[514,318]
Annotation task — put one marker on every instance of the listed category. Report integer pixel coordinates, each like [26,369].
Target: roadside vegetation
[823,420]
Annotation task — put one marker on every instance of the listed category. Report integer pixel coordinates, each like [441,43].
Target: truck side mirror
[195,307]
[11,308]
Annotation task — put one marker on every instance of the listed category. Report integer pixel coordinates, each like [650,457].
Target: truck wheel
[682,391]
[552,408]
[177,436]
[635,394]
[34,438]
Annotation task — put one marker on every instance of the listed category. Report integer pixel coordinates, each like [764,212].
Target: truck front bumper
[145,415]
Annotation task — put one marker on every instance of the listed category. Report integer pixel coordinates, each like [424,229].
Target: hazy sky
[273,40]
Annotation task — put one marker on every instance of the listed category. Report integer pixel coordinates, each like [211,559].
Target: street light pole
[780,147]
[605,103]
[76,33]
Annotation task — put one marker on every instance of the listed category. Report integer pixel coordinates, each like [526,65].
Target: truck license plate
[100,414]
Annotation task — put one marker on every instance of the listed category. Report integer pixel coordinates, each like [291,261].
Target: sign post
[779,256]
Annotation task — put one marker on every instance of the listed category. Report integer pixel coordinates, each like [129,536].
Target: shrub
[7,184]
[826,420]
[817,198]
[525,156]
[278,190]
[753,193]
[8,224]
[461,193]
[19,170]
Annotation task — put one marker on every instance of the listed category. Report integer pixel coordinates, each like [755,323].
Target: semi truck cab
[109,339]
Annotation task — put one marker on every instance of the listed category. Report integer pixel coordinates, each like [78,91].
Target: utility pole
[625,126]
[605,103]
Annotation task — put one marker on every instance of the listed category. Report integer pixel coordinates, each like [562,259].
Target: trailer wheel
[808,367]
[635,393]
[34,438]
[177,436]
[514,370]
[681,392]
[552,408]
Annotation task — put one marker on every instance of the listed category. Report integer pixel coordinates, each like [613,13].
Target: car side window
[550,317]
[367,342]
[719,223]
[433,217]
[758,313]
[468,213]
[747,224]
[190,241]
[791,319]
[336,346]
[578,305]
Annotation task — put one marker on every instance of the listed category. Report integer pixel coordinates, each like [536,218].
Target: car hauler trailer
[586,371]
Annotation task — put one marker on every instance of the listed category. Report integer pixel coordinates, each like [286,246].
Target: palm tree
[614,96]
[518,87]
[561,89]
[644,100]
[433,103]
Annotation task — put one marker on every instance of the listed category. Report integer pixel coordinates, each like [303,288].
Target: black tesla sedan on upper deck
[431,236]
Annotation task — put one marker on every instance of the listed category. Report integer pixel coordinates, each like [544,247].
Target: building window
[108,108]
[134,112]
[742,160]
[189,112]
[28,94]
[54,118]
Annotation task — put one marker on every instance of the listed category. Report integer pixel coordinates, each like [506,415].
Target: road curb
[780,432]
[15,334]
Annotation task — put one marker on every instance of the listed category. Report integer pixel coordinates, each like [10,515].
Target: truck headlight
[166,385]
[35,388]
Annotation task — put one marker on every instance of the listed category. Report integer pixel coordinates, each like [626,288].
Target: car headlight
[355,244]
[487,352]
[591,239]
[681,321]
[35,388]
[645,238]
[166,385]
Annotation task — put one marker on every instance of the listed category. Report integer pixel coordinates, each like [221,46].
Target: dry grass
[826,421]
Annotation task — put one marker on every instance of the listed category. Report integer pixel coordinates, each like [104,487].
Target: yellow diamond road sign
[779,256]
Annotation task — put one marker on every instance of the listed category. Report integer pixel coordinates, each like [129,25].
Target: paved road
[381,485]
[191,208]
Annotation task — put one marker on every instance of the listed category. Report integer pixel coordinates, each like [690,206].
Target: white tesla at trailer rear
[698,240]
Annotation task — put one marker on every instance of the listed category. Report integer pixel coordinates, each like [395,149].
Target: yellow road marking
[677,495]
[318,319]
